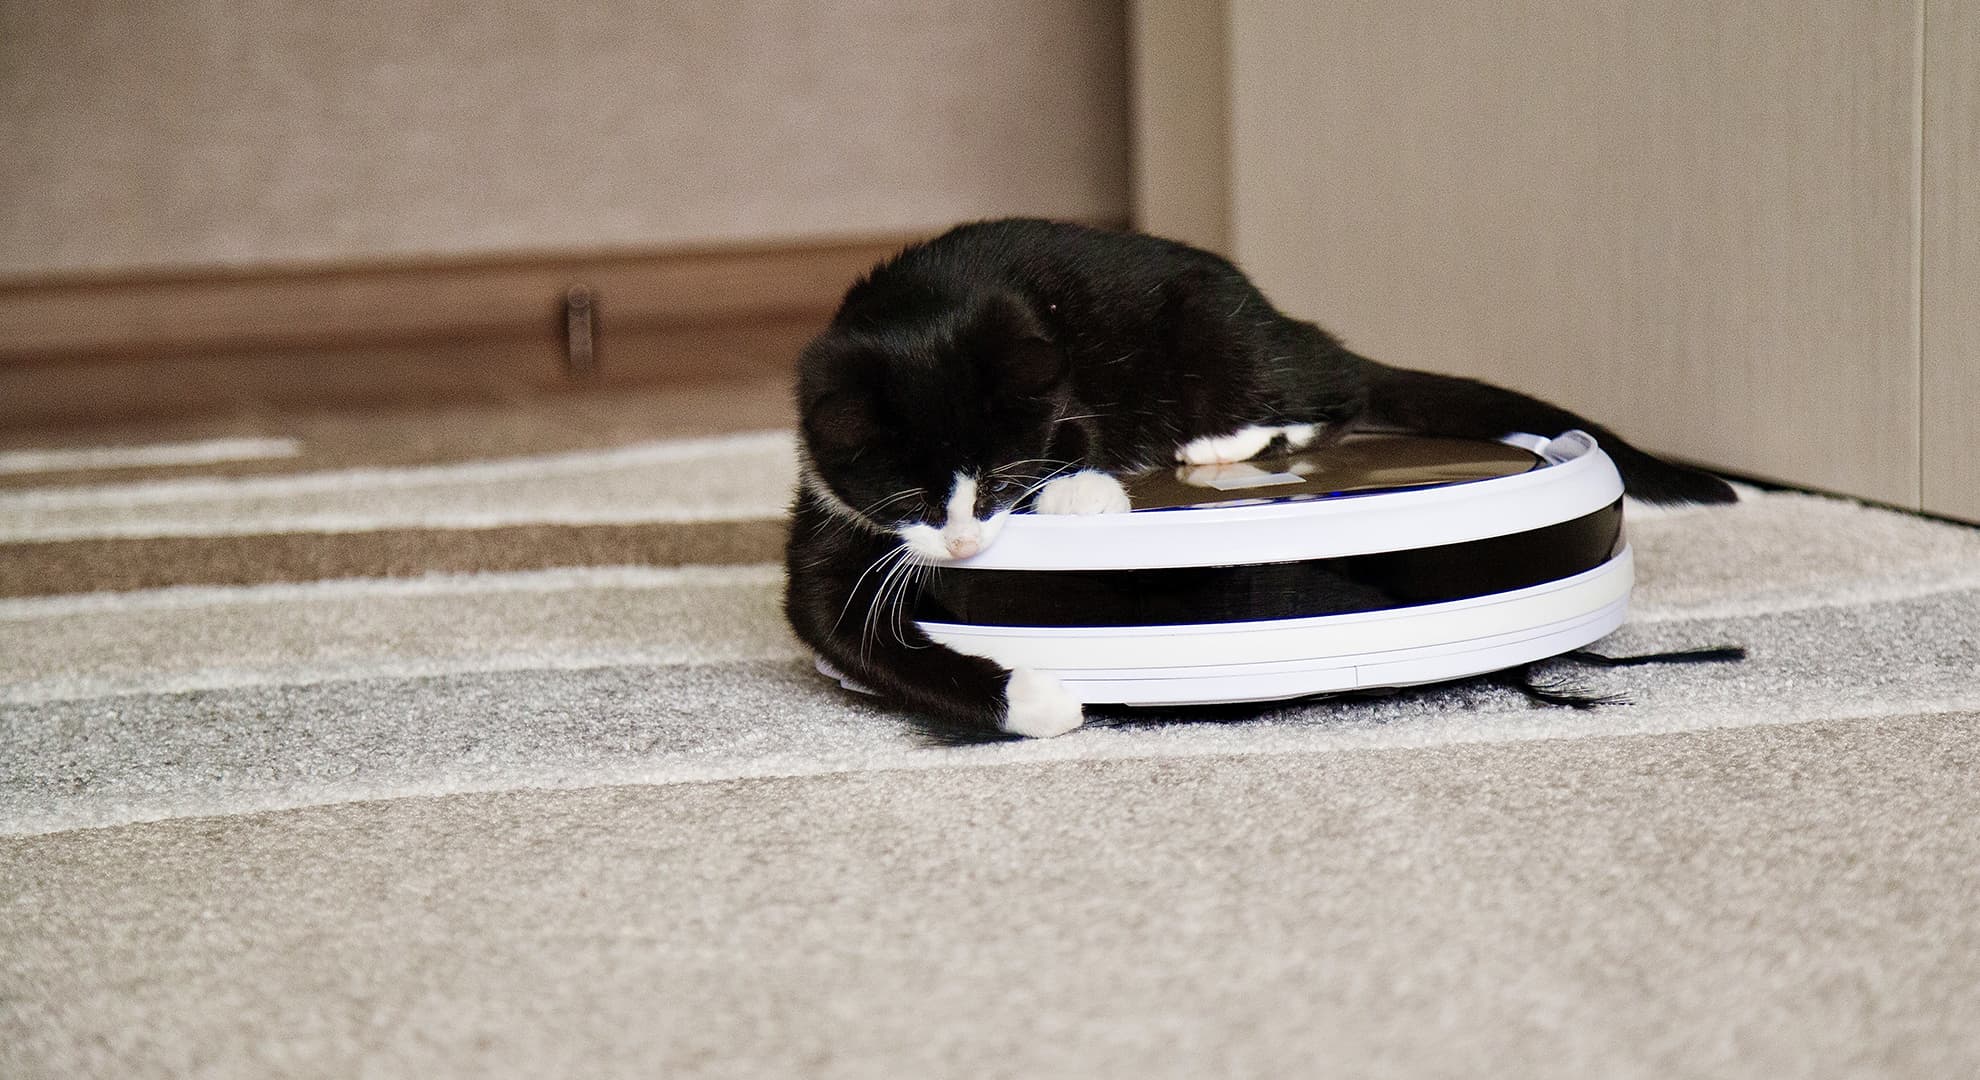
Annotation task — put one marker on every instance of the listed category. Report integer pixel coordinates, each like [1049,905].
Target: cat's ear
[1031,367]
[840,423]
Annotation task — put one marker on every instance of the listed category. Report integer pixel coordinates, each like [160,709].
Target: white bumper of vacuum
[1290,658]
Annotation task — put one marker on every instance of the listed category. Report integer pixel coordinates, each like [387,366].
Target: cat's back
[1032,245]
[1027,256]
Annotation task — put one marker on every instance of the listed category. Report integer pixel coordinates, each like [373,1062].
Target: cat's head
[932,428]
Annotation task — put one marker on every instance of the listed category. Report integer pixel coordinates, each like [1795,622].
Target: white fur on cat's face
[961,533]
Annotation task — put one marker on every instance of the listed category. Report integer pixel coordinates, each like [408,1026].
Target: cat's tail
[1430,404]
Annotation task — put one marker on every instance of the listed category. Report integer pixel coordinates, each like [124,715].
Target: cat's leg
[953,696]
[842,601]
[1240,445]
[1037,706]
[1244,444]
[1088,491]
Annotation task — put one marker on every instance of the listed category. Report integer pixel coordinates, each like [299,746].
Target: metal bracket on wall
[580,332]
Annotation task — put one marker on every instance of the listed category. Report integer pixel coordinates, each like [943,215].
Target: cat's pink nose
[962,547]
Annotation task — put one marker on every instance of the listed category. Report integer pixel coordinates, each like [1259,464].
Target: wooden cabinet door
[1696,221]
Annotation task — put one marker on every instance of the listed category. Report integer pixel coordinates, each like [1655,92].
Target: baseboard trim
[149,315]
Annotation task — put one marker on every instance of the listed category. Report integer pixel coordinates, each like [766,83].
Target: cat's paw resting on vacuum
[1037,706]
[1084,492]
[1244,444]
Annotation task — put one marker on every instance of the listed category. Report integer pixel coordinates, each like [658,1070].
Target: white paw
[1241,445]
[1086,492]
[1037,706]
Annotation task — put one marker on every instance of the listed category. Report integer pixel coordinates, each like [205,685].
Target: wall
[1181,102]
[1949,235]
[1695,221]
[216,133]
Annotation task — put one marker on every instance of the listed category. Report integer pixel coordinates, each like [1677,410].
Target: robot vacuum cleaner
[1382,561]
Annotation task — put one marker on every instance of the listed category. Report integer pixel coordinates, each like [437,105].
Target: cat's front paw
[1085,492]
[1037,706]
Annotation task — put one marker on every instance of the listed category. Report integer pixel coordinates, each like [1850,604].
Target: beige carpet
[435,762]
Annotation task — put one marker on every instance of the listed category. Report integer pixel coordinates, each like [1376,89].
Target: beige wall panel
[1181,120]
[206,133]
[1952,259]
[1694,220]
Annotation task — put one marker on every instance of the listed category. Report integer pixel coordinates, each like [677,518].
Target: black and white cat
[1026,363]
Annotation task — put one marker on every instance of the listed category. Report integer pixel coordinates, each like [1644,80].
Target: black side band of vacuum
[1295,590]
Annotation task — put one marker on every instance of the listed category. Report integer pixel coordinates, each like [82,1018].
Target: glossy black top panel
[1358,465]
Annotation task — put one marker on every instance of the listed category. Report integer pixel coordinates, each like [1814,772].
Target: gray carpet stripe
[197,598]
[773,445]
[96,566]
[726,478]
[111,760]
[375,435]
[1927,581]
[354,630]
[149,456]
[1784,548]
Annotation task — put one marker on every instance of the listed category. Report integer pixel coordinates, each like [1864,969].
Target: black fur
[1015,348]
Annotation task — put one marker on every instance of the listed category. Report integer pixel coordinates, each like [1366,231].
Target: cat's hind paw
[1037,706]
[1085,492]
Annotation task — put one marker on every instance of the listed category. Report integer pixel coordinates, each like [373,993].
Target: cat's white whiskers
[915,579]
[869,625]
[890,603]
[853,593]
[876,614]
[1011,467]
[905,584]
[1062,470]
[880,504]
[877,617]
